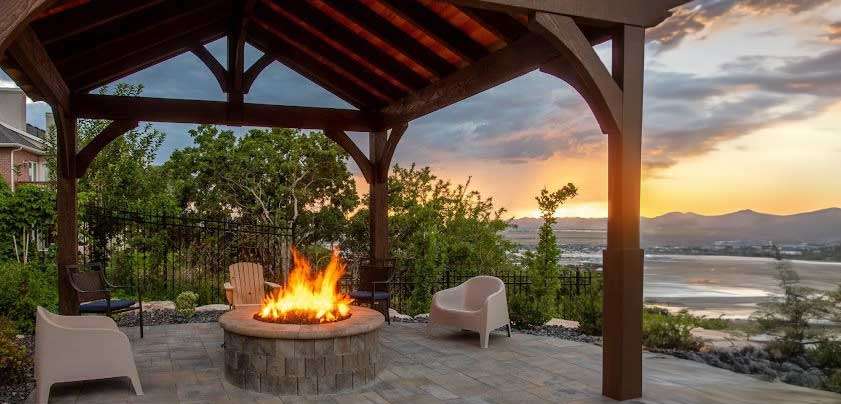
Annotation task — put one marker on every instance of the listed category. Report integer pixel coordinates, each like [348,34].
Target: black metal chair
[94,292]
[376,293]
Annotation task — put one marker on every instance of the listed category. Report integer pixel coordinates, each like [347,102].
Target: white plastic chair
[479,305]
[74,348]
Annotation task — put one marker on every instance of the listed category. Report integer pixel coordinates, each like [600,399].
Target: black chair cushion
[99,306]
[366,295]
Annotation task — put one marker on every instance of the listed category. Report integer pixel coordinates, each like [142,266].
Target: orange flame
[309,297]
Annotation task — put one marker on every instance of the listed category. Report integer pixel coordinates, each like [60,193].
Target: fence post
[577,281]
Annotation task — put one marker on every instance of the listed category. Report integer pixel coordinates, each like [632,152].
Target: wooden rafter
[76,61]
[87,17]
[395,37]
[254,71]
[215,112]
[512,61]
[213,65]
[345,142]
[311,68]
[156,52]
[345,38]
[36,64]
[15,15]
[438,28]
[500,24]
[88,153]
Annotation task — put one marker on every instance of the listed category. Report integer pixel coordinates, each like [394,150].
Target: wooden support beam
[213,65]
[394,137]
[396,37]
[67,232]
[36,64]
[501,24]
[157,52]
[215,112]
[580,66]
[313,69]
[15,15]
[254,71]
[377,208]
[346,143]
[346,39]
[643,13]
[508,63]
[87,17]
[438,28]
[623,258]
[88,153]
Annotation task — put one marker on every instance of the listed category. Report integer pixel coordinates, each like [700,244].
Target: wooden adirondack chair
[247,285]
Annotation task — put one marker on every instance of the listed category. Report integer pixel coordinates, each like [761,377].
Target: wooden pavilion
[393,60]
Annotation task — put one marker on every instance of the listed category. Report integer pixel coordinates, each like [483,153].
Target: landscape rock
[213,307]
[395,315]
[159,305]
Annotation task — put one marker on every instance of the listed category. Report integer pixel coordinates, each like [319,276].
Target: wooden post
[378,203]
[623,258]
[67,235]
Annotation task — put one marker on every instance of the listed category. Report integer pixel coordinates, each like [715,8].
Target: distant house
[22,146]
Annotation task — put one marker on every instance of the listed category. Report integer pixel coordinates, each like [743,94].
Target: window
[32,167]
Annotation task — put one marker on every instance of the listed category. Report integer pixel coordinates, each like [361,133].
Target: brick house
[22,146]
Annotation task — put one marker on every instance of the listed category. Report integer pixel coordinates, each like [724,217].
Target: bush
[585,307]
[14,357]
[833,383]
[185,303]
[827,354]
[23,287]
[712,323]
[668,331]
[527,311]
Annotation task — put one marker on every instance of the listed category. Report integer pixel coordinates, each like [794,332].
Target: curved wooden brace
[254,71]
[114,130]
[390,146]
[15,15]
[344,141]
[580,66]
[213,64]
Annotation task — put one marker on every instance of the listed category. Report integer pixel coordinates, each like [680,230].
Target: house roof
[11,137]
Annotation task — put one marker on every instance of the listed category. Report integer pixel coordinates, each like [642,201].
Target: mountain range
[692,229]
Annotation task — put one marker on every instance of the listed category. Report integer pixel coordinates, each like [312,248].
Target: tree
[538,303]
[277,177]
[26,218]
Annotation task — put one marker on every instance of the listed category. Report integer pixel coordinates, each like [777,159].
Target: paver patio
[184,364]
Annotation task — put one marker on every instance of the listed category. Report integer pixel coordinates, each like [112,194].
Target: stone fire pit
[292,359]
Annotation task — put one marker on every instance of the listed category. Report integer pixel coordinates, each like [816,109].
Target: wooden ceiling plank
[147,109]
[512,61]
[312,69]
[503,25]
[438,28]
[87,17]
[357,45]
[390,34]
[105,73]
[324,50]
[113,40]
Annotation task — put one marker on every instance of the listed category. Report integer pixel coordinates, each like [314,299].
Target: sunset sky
[742,111]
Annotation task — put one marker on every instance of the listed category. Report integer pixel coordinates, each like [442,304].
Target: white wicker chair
[74,348]
[479,305]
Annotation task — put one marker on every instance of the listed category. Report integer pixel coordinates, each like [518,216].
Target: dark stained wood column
[66,225]
[623,258]
[378,203]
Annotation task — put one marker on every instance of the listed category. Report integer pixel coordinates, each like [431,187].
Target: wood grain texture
[36,64]
[580,66]
[15,15]
[248,282]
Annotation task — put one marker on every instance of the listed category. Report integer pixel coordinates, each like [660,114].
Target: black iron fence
[169,254]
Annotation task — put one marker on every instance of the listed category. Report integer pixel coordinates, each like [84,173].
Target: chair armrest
[228,286]
[86,322]
[272,285]
[496,308]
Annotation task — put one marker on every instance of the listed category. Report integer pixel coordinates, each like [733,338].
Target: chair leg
[483,339]
[42,392]
[388,311]
[508,326]
[135,383]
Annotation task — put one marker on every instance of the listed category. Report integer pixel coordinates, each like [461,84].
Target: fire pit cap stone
[241,321]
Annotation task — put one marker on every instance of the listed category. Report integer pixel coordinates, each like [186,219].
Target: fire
[309,297]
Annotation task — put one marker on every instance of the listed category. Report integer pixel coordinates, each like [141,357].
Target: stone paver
[184,364]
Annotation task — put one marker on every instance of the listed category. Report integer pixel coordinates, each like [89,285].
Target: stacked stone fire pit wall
[320,359]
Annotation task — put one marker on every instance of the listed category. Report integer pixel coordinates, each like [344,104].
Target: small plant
[14,357]
[185,304]
[833,382]
[827,354]
[23,287]
[585,308]
[668,331]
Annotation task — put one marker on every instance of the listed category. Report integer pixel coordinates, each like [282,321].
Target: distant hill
[692,229]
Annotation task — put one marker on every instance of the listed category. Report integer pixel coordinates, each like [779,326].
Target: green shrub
[826,354]
[712,323]
[14,357]
[585,308]
[833,382]
[23,287]
[185,303]
[668,331]
[528,311]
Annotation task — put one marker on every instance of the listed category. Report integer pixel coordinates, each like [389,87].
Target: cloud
[699,15]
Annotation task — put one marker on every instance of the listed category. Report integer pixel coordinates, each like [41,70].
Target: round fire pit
[293,359]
